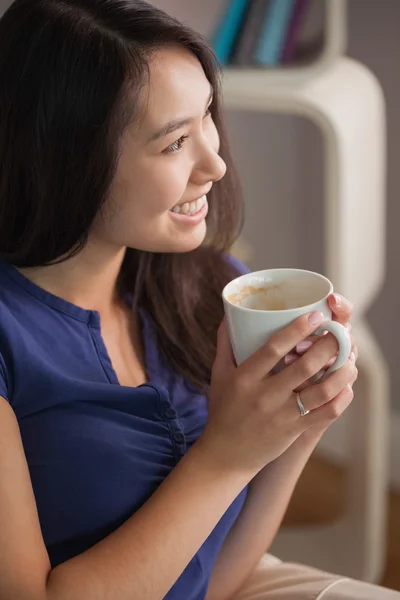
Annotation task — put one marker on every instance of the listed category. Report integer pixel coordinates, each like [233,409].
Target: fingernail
[303,346]
[290,358]
[316,318]
[338,299]
[353,357]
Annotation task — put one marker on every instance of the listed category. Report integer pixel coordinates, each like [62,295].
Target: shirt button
[170,413]
[179,437]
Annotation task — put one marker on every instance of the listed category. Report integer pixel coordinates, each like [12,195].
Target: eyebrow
[176,123]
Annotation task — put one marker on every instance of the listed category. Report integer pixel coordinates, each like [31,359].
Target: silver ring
[303,411]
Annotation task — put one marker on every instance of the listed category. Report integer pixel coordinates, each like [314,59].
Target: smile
[190,208]
[190,214]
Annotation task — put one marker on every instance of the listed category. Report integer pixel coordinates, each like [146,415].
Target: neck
[87,280]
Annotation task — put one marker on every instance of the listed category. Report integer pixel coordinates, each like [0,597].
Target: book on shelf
[268,33]
[295,23]
[228,29]
[272,38]
[243,53]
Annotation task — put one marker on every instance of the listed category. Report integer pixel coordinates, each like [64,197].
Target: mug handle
[344,340]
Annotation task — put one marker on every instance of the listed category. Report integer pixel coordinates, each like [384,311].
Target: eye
[176,146]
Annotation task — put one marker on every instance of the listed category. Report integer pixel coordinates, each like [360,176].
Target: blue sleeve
[3,384]
[237,264]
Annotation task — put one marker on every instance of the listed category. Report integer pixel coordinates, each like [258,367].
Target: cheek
[138,217]
[168,183]
[152,190]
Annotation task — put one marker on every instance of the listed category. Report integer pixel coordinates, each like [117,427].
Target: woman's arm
[267,499]
[140,560]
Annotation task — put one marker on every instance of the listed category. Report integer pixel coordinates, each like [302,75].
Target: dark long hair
[67,68]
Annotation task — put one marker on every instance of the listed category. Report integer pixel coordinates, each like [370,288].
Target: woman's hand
[342,310]
[253,414]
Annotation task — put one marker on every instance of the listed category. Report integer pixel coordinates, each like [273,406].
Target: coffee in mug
[270,297]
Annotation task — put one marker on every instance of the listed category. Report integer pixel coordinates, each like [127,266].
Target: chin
[185,242]
[180,247]
[170,240]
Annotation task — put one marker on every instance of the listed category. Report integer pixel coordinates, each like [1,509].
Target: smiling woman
[119,477]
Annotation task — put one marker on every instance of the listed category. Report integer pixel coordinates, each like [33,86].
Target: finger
[321,393]
[354,346]
[341,308]
[310,341]
[328,413]
[354,379]
[224,358]
[268,356]
[323,371]
[302,347]
[353,341]
[315,379]
[291,358]
[310,363]
[305,345]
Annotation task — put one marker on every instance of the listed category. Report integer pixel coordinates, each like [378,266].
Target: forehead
[178,86]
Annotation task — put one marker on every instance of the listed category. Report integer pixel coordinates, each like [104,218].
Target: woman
[119,478]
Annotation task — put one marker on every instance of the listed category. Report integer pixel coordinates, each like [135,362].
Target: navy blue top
[96,450]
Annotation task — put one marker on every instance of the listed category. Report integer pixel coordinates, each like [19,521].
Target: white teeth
[185,208]
[193,208]
[190,208]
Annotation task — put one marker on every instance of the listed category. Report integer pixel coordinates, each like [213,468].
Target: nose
[219,167]
[210,166]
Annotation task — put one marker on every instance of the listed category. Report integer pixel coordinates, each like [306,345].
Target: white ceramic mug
[259,304]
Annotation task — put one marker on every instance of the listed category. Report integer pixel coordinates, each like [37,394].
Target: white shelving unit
[344,99]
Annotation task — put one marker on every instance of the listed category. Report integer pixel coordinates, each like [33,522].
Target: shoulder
[6,330]
[12,311]
[237,264]
[10,308]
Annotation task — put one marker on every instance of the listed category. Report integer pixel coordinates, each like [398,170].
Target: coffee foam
[271,297]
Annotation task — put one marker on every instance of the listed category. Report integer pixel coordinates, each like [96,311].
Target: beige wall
[281,167]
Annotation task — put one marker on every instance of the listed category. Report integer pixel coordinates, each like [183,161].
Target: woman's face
[167,164]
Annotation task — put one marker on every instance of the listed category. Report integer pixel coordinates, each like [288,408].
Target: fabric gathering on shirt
[96,450]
